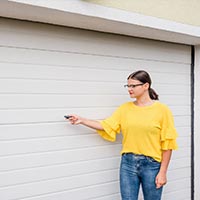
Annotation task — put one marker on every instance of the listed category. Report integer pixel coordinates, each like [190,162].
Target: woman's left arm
[161,178]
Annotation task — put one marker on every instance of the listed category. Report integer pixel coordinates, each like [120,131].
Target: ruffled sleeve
[168,131]
[111,126]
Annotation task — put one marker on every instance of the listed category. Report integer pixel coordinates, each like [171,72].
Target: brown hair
[144,77]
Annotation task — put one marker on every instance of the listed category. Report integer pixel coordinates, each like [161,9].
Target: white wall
[90,16]
[183,11]
[196,123]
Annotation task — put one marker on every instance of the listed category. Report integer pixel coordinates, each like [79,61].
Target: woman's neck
[144,101]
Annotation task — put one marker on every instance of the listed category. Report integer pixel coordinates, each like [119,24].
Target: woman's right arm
[94,124]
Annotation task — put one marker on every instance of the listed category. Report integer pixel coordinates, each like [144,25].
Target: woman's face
[136,88]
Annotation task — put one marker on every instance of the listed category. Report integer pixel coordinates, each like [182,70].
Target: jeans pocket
[152,160]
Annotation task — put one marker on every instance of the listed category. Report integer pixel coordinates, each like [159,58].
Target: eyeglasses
[133,86]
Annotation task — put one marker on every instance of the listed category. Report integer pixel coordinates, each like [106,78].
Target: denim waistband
[136,155]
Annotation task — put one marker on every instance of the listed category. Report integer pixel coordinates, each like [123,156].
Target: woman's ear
[146,85]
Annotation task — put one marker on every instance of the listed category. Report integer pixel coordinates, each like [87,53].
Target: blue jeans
[136,170]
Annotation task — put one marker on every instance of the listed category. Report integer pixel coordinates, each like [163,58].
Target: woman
[149,137]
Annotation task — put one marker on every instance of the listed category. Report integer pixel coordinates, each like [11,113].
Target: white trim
[196,123]
[76,13]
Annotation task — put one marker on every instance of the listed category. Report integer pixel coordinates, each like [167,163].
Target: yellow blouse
[146,130]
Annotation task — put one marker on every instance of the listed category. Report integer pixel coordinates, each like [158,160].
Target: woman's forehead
[130,80]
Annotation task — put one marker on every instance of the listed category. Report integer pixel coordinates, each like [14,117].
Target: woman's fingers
[73,119]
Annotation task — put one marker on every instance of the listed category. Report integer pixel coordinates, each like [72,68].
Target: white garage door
[49,71]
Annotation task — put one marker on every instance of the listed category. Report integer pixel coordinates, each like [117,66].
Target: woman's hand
[74,119]
[161,179]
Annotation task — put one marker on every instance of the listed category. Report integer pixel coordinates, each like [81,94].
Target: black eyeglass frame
[133,86]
